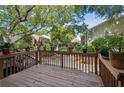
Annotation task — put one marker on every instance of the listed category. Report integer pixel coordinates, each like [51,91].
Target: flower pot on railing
[52,48]
[27,49]
[6,51]
[97,50]
[117,59]
[6,48]
[70,49]
[104,53]
[85,50]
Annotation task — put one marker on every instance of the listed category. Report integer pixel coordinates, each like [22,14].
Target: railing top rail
[59,52]
[117,73]
[66,52]
[15,54]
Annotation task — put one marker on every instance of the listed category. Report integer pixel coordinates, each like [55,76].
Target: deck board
[51,76]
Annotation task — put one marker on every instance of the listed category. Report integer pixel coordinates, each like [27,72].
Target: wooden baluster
[96,64]
[79,62]
[11,65]
[48,58]
[85,63]
[69,60]
[74,61]
[92,64]
[57,59]
[6,67]
[1,69]
[40,57]
[62,60]
[14,60]
[82,63]
[88,59]
[100,68]
[36,57]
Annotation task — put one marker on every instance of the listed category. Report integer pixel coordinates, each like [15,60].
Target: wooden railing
[88,63]
[70,60]
[16,62]
[111,76]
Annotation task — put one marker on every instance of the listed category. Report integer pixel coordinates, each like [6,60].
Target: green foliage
[90,49]
[106,11]
[99,43]
[9,45]
[116,43]
[24,42]
[63,23]
[79,48]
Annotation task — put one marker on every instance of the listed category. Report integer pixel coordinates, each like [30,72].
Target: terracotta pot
[85,50]
[117,59]
[6,51]
[97,50]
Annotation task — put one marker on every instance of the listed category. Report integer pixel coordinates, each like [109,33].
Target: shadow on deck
[49,76]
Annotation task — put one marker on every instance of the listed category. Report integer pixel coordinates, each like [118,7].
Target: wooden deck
[51,76]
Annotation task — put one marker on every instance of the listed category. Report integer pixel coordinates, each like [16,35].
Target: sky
[92,20]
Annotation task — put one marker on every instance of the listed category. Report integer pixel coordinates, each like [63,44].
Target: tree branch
[17,10]
[24,17]
[19,19]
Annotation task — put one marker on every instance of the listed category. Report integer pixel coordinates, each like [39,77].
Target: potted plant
[44,47]
[85,49]
[38,44]
[27,48]
[52,46]
[6,48]
[99,44]
[70,47]
[105,53]
[116,53]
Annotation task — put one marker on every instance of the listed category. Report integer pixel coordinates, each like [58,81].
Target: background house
[113,26]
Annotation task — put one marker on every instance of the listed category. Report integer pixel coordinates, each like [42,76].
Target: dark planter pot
[52,48]
[117,59]
[5,51]
[27,49]
[84,50]
[70,49]
[105,54]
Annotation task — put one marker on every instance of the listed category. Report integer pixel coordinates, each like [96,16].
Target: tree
[106,11]
[11,16]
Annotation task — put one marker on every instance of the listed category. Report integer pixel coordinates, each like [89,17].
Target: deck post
[40,56]
[62,60]
[1,70]
[96,56]
[36,57]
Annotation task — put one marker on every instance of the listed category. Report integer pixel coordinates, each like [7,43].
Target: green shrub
[79,48]
[116,43]
[100,43]
[90,49]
